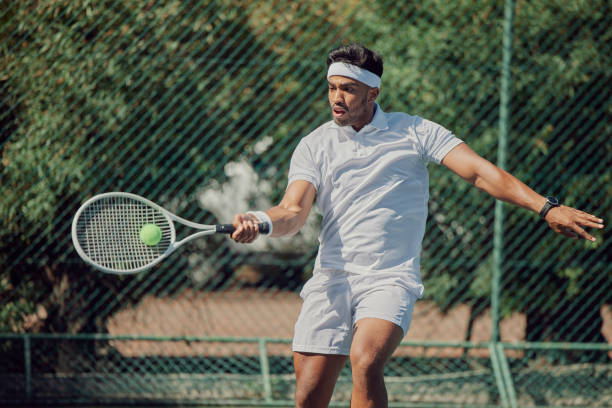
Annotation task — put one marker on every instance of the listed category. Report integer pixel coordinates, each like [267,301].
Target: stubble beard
[350,118]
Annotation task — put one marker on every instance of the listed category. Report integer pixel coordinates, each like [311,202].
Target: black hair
[357,54]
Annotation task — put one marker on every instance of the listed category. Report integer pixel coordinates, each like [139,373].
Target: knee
[366,363]
[307,397]
[303,398]
[310,392]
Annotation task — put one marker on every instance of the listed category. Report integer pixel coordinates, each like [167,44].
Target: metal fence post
[504,114]
[265,369]
[498,374]
[28,366]
[506,375]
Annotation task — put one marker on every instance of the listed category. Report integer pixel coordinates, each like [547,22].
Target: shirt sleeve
[436,141]
[303,166]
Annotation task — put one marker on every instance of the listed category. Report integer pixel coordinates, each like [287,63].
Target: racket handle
[229,228]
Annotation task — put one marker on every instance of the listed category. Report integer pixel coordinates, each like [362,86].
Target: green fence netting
[197,105]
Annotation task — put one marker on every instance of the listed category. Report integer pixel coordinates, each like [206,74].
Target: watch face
[552,200]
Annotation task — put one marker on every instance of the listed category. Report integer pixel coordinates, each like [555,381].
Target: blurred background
[197,105]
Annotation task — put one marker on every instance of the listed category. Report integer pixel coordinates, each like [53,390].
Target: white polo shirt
[372,190]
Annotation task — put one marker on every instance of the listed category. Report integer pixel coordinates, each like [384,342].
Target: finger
[567,232]
[249,228]
[586,213]
[591,224]
[591,217]
[236,235]
[598,221]
[581,232]
[240,232]
[248,231]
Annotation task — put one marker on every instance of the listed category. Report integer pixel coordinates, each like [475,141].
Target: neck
[370,110]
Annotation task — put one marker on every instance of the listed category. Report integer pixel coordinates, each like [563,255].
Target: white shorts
[333,305]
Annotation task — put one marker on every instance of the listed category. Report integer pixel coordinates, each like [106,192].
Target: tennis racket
[106,232]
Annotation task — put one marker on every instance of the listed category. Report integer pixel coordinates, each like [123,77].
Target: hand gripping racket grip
[229,228]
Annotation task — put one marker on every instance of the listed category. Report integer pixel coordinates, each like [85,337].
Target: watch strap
[551,202]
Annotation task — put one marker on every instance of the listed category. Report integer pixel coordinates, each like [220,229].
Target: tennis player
[367,170]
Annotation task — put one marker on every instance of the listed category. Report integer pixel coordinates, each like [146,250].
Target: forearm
[488,177]
[287,217]
[286,220]
[505,187]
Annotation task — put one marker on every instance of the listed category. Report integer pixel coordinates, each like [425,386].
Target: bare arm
[287,217]
[502,185]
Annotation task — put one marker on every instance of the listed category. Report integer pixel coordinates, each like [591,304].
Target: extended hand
[569,221]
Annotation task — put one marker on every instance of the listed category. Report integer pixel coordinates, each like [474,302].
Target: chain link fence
[197,105]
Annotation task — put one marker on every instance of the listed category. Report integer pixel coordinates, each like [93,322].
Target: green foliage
[447,68]
[138,96]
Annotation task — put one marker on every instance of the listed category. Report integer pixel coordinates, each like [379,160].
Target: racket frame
[170,217]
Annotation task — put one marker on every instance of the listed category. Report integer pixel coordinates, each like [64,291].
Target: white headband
[355,72]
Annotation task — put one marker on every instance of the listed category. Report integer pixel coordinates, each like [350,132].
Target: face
[351,101]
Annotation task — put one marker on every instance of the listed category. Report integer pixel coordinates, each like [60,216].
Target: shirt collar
[379,121]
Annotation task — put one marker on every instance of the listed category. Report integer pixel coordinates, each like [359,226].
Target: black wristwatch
[551,202]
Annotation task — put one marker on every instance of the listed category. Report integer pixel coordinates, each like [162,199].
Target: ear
[373,94]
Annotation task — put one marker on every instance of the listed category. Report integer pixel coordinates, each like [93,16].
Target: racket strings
[108,233]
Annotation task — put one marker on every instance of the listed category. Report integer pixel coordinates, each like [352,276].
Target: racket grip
[229,228]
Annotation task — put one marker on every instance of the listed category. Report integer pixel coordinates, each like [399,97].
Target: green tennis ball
[150,234]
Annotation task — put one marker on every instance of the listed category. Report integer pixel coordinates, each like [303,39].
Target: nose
[336,96]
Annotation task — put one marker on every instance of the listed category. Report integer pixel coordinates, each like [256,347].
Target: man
[367,170]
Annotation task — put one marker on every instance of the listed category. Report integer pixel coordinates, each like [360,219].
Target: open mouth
[338,111]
